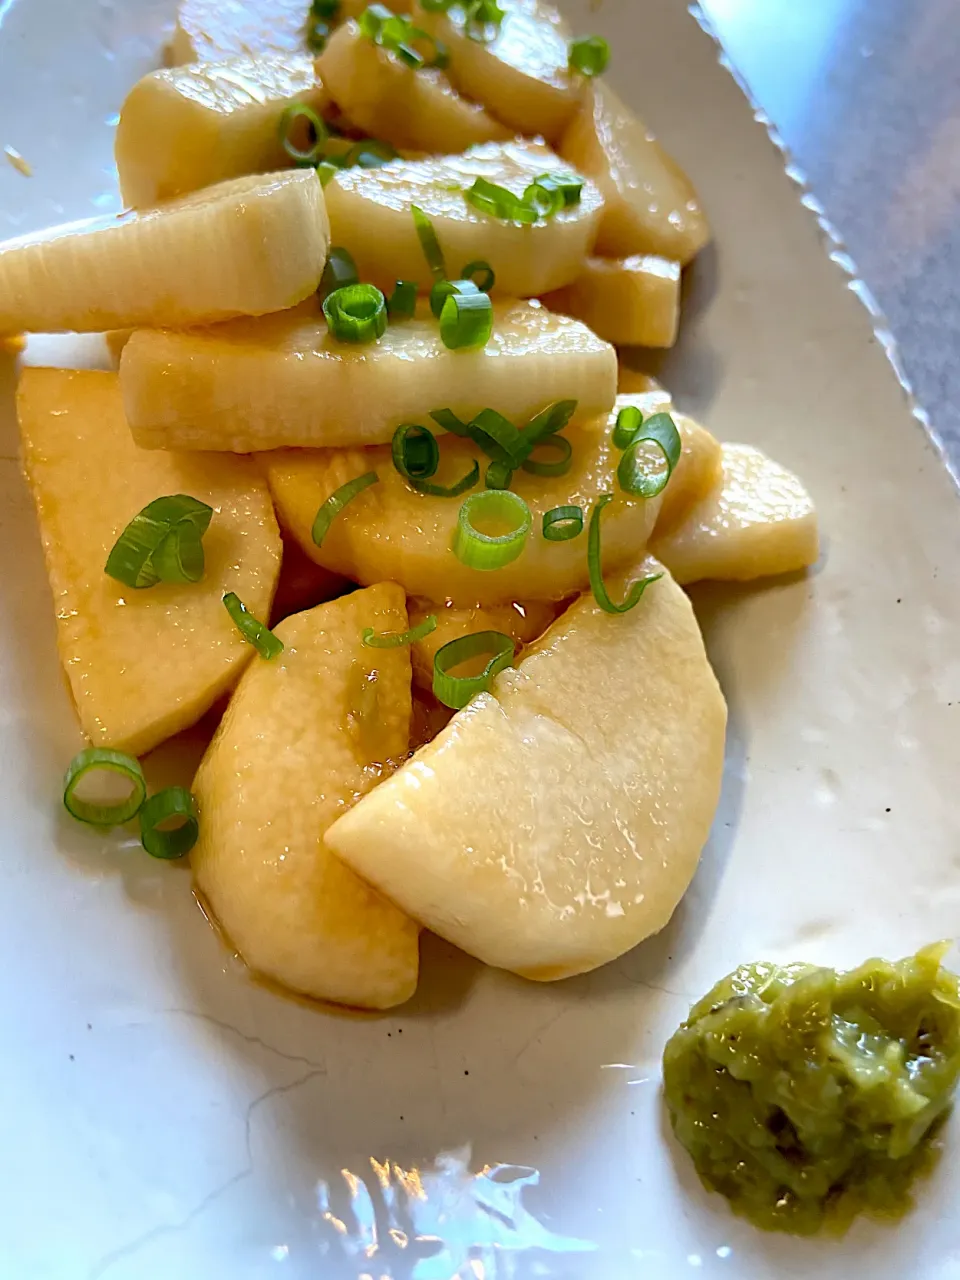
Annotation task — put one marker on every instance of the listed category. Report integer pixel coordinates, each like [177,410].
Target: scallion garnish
[499,475]
[466,321]
[457,691]
[370,153]
[93,759]
[442,290]
[402,303]
[559,466]
[595,568]
[634,473]
[568,184]
[327,170]
[330,509]
[340,270]
[563,523]
[429,243]
[589,55]
[251,628]
[485,551]
[496,436]
[290,124]
[170,804]
[356,313]
[483,269]
[545,198]
[629,421]
[480,16]
[452,490]
[324,8]
[396,33]
[162,543]
[416,454]
[447,420]
[396,639]
[546,423]
[318,33]
[500,202]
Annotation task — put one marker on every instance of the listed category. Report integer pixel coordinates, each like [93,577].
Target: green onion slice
[499,202]
[318,33]
[340,271]
[416,454]
[483,269]
[499,475]
[589,55]
[449,491]
[559,466]
[447,420]
[252,629]
[429,243]
[402,303]
[634,472]
[396,33]
[496,436]
[326,170]
[356,313]
[545,198]
[629,422]
[396,639]
[457,691]
[568,184]
[370,153]
[595,568]
[442,290]
[142,556]
[117,762]
[324,8]
[290,125]
[167,805]
[484,551]
[480,16]
[330,509]
[466,321]
[546,423]
[562,523]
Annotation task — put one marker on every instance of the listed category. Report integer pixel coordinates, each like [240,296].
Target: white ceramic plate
[163,1117]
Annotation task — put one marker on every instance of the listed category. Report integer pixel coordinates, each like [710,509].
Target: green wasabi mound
[805,1095]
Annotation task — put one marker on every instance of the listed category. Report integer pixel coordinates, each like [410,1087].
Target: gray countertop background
[865,95]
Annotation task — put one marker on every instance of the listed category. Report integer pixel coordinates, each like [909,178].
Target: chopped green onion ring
[484,551]
[457,691]
[481,268]
[330,509]
[396,33]
[356,313]
[560,466]
[498,475]
[499,202]
[402,303]
[396,639]
[449,491]
[447,420]
[429,243]
[632,473]
[416,454]
[295,112]
[589,55]
[496,436]
[340,270]
[327,170]
[629,422]
[142,556]
[173,802]
[442,290]
[563,523]
[252,629]
[479,16]
[568,184]
[466,321]
[370,153]
[595,568]
[104,815]
[548,422]
[545,198]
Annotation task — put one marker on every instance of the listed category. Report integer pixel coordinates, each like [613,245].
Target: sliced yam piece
[390,531]
[521,75]
[631,302]
[370,214]
[211,30]
[523,621]
[382,96]
[304,736]
[650,205]
[142,664]
[244,247]
[557,820]
[194,126]
[758,522]
[633,382]
[116,340]
[284,381]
